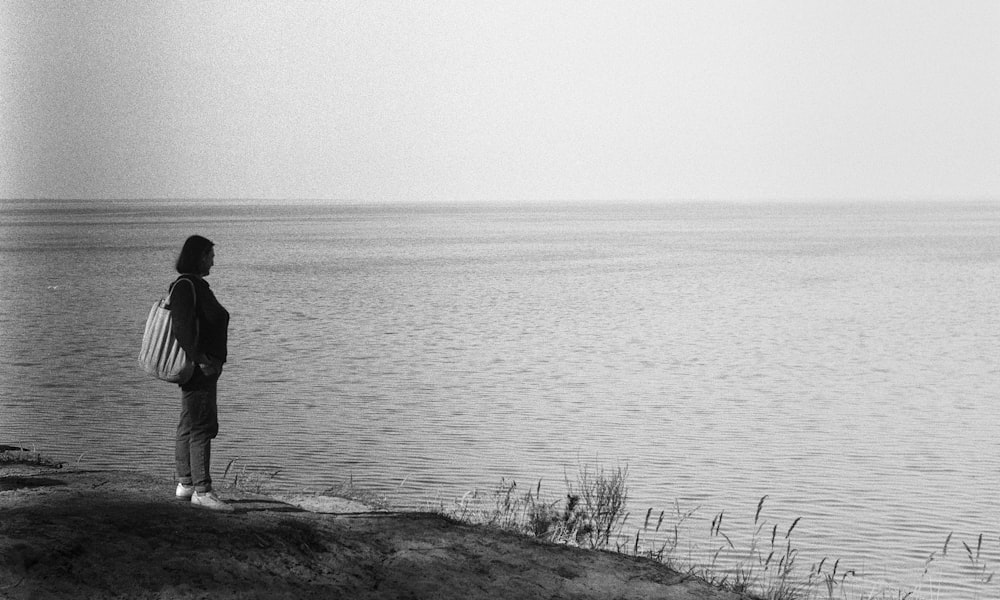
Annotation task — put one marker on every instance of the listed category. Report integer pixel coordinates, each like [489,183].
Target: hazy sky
[508,100]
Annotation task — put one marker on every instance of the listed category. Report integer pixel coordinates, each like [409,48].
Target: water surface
[839,358]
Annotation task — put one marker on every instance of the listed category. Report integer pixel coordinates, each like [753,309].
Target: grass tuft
[247,478]
[591,514]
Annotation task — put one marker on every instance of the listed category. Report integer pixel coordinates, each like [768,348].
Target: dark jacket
[200,323]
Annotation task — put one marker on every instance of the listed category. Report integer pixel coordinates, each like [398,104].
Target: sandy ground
[109,534]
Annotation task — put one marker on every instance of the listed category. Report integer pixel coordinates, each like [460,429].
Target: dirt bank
[107,534]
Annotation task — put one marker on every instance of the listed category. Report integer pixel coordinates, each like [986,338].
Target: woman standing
[201,325]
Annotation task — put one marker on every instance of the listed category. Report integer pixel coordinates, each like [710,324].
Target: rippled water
[840,358]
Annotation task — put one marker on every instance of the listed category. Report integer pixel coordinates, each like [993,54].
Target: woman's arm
[184,318]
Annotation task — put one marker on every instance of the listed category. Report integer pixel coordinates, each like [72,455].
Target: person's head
[197,256]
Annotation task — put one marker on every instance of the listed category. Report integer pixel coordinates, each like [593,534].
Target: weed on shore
[248,478]
[593,514]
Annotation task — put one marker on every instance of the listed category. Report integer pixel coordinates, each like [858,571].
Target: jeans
[199,424]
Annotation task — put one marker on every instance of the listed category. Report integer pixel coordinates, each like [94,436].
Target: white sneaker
[209,500]
[184,492]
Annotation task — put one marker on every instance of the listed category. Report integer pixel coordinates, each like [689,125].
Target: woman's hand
[210,367]
[209,370]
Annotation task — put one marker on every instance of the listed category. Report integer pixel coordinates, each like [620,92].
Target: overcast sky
[506,100]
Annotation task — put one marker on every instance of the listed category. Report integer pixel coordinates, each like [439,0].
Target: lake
[839,358]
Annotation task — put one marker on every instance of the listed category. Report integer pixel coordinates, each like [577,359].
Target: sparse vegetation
[248,478]
[254,479]
[593,514]
[768,567]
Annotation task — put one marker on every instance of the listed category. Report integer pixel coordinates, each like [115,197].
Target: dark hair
[195,248]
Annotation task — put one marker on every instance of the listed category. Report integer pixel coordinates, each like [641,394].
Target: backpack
[160,355]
